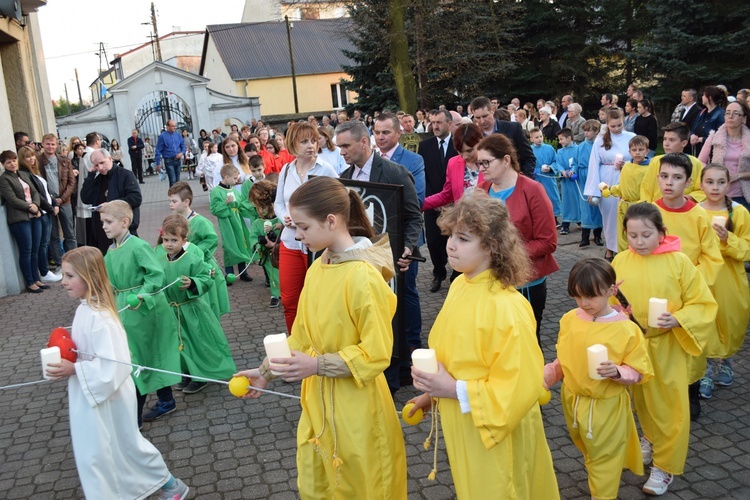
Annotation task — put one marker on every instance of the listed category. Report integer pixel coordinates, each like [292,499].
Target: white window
[338,96]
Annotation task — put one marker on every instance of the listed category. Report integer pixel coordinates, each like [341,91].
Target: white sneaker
[646,450]
[658,482]
[51,277]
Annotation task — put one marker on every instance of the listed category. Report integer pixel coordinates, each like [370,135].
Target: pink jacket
[453,188]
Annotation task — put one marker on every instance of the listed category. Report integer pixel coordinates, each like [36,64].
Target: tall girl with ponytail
[349,440]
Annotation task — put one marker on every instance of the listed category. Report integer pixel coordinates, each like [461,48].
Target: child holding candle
[653,266]
[150,326]
[629,185]
[247,209]
[265,231]
[569,192]
[113,459]
[203,346]
[224,204]
[203,235]
[490,364]
[547,170]
[591,216]
[731,287]
[349,440]
[597,412]
[686,219]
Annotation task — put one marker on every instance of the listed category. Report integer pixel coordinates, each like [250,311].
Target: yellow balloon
[544,396]
[606,193]
[414,419]
[239,386]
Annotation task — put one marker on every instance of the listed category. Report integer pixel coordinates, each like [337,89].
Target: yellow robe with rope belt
[662,402]
[486,335]
[349,439]
[597,412]
[628,190]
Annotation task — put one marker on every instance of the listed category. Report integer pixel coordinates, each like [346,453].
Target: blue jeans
[64,221]
[742,201]
[173,168]
[27,235]
[43,265]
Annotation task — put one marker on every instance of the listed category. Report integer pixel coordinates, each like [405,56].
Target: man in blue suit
[387,131]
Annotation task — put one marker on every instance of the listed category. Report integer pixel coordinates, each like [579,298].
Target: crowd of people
[489,191]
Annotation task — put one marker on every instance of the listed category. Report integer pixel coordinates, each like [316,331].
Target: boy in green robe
[150,327]
[203,235]
[265,231]
[203,346]
[224,204]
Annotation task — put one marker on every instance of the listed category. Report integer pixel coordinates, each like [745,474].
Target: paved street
[224,447]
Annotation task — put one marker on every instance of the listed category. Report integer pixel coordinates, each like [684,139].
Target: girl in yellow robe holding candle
[731,287]
[597,412]
[653,266]
[349,440]
[490,365]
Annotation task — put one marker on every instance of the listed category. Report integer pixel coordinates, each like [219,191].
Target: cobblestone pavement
[224,447]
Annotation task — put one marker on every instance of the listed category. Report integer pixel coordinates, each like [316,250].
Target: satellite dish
[11,9]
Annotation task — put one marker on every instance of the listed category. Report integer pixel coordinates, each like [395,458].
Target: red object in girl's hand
[60,337]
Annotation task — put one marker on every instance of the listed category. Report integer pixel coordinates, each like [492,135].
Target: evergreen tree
[693,44]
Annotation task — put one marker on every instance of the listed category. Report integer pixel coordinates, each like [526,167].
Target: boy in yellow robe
[676,135]
[597,412]
[490,365]
[686,219]
[653,266]
[628,190]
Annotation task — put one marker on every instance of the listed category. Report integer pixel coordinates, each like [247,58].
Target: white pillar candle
[619,157]
[597,353]
[718,219]
[276,347]
[49,355]
[656,307]
[424,360]
[230,196]
[602,186]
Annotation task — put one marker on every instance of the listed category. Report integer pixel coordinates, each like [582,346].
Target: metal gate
[156,109]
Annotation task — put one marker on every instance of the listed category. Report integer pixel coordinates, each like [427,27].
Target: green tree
[63,107]
[693,44]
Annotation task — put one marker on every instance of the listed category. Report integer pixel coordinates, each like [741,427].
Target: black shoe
[246,277]
[34,290]
[42,285]
[436,284]
[184,383]
[695,401]
[274,302]
[584,243]
[141,182]
[598,241]
[194,387]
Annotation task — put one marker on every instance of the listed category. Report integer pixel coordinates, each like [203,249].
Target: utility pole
[291,59]
[156,32]
[78,83]
[67,100]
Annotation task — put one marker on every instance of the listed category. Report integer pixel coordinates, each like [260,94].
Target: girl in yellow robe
[490,365]
[349,440]
[731,287]
[653,266]
[598,412]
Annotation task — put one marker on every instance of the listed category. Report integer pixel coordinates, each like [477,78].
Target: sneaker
[194,387]
[177,491]
[658,482]
[725,377]
[159,410]
[274,302]
[646,450]
[51,277]
[564,230]
[706,389]
[184,383]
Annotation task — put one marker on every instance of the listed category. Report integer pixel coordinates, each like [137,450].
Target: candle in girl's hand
[619,157]
[424,360]
[602,186]
[718,219]
[656,307]
[276,347]
[597,354]
[49,355]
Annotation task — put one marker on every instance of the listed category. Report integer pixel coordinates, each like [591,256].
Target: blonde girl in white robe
[112,457]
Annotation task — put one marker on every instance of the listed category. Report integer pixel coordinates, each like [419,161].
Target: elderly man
[135,149]
[170,147]
[104,183]
[563,111]
[354,141]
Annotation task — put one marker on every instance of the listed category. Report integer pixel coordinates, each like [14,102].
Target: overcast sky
[72,29]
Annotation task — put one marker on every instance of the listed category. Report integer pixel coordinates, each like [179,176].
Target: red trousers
[292,271]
